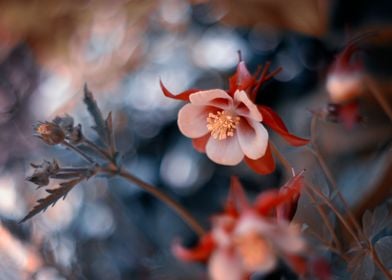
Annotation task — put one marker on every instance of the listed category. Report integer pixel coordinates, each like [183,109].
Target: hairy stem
[181,211]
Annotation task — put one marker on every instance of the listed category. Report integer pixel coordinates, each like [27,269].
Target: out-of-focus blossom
[247,238]
[226,125]
[345,77]
[345,84]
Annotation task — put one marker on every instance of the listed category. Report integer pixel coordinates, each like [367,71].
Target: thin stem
[281,158]
[78,151]
[98,149]
[336,211]
[379,263]
[321,211]
[379,97]
[327,222]
[333,249]
[328,174]
[181,211]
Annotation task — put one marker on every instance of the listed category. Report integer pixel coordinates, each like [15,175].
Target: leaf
[374,222]
[384,250]
[92,106]
[361,265]
[52,198]
[110,133]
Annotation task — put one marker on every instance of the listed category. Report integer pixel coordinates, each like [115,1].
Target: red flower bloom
[228,126]
[345,84]
[246,238]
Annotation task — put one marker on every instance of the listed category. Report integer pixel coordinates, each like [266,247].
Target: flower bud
[42,173]
[50,133]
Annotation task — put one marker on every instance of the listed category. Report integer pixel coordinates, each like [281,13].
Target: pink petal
[253,138]
[287,238]
[225,265]
[226,152]
[214,97]
[245,107]
[192,120]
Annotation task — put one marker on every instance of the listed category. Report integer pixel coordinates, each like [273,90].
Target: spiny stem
[181,211]
[78,151]
[328,174]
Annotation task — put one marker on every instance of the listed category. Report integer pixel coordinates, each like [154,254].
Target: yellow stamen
[222,124]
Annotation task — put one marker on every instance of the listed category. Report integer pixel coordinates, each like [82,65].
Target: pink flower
[228,126]
[248,239]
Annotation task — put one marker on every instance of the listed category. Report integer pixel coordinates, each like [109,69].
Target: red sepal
[287,210]
[269,200]
[297,263]
[236,200]
[200,143]
[241,80]
[184,96]
[200,253]
[349,114]
[264,165]
[273,120]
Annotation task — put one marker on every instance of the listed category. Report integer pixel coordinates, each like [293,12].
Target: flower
[345,84]
[228,126]
[247,239]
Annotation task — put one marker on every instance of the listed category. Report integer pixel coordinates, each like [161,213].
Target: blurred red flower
[247,238]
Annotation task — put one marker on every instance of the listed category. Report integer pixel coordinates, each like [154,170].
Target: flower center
[253,248]
[222,124]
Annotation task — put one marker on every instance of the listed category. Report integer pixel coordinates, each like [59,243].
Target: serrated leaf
[92,107]
[52,198]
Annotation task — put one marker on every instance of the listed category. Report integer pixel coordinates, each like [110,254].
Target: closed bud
[43,172]
[50,133]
